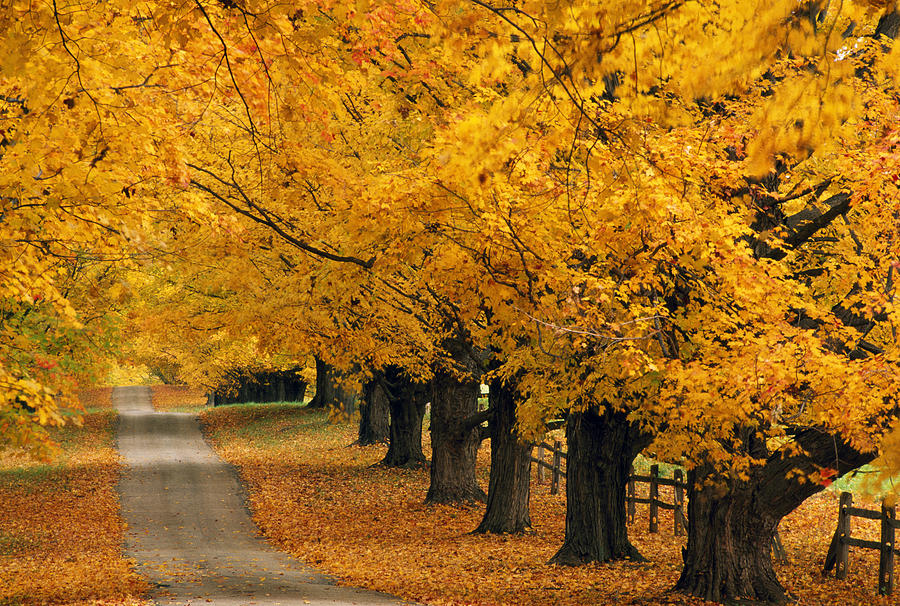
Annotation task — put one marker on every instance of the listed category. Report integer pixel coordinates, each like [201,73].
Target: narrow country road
[188,527]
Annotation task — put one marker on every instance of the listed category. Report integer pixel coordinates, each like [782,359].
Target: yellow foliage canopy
[683,210]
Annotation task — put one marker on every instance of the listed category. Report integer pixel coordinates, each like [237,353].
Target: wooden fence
[654,480]
[556,471]
[677,482]
[839,551]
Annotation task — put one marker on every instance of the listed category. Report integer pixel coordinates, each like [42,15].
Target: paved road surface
[188,527]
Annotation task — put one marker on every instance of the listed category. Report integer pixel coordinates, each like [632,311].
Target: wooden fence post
[843,546]
[886,562]
[630,494]
[557,463]
[540,456]
[654,497]
[680,522]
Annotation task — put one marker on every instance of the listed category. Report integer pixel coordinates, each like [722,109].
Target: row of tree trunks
[509,487]
[276,386]
[731,525]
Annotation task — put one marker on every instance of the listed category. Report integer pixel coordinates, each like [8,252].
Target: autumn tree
[69,221]
[654,281]
[654,226]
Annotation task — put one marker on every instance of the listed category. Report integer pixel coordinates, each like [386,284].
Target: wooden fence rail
[839,551]
[655,481]
[677,482]
[555,468]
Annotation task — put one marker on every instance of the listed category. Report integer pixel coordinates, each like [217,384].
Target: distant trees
[263,386]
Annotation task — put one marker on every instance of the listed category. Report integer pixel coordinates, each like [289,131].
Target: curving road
[188,527]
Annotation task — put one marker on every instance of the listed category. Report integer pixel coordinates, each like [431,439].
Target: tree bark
[454,444]
[509,487]
[601,449]
[329,392]
[731,524]
[729,546]
[374,417]
[322,385]
[406,400]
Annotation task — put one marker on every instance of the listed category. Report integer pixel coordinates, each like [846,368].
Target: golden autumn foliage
[681,211]
[66,222]
[473,169]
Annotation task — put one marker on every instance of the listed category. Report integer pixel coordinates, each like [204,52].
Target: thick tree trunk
[407,401]
[601,449]
[731,525]
[374,417]
[509,488]
[329,392]
[454,443]
[729,546]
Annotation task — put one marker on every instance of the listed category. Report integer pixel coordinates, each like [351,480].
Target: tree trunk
[509,488]
[406,400]
[267,387]
[454,444]
[329,392]
[601,450]
[729,546]
[319,399]
[295,387]
[374,418]
[731,524]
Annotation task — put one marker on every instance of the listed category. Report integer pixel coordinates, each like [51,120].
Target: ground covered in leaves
[60,530]
[178,398]
[323,501]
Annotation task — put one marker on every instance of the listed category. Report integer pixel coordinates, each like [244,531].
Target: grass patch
[60,533]
[34,478]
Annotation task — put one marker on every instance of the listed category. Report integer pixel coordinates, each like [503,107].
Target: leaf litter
[332,506]
[61,533]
